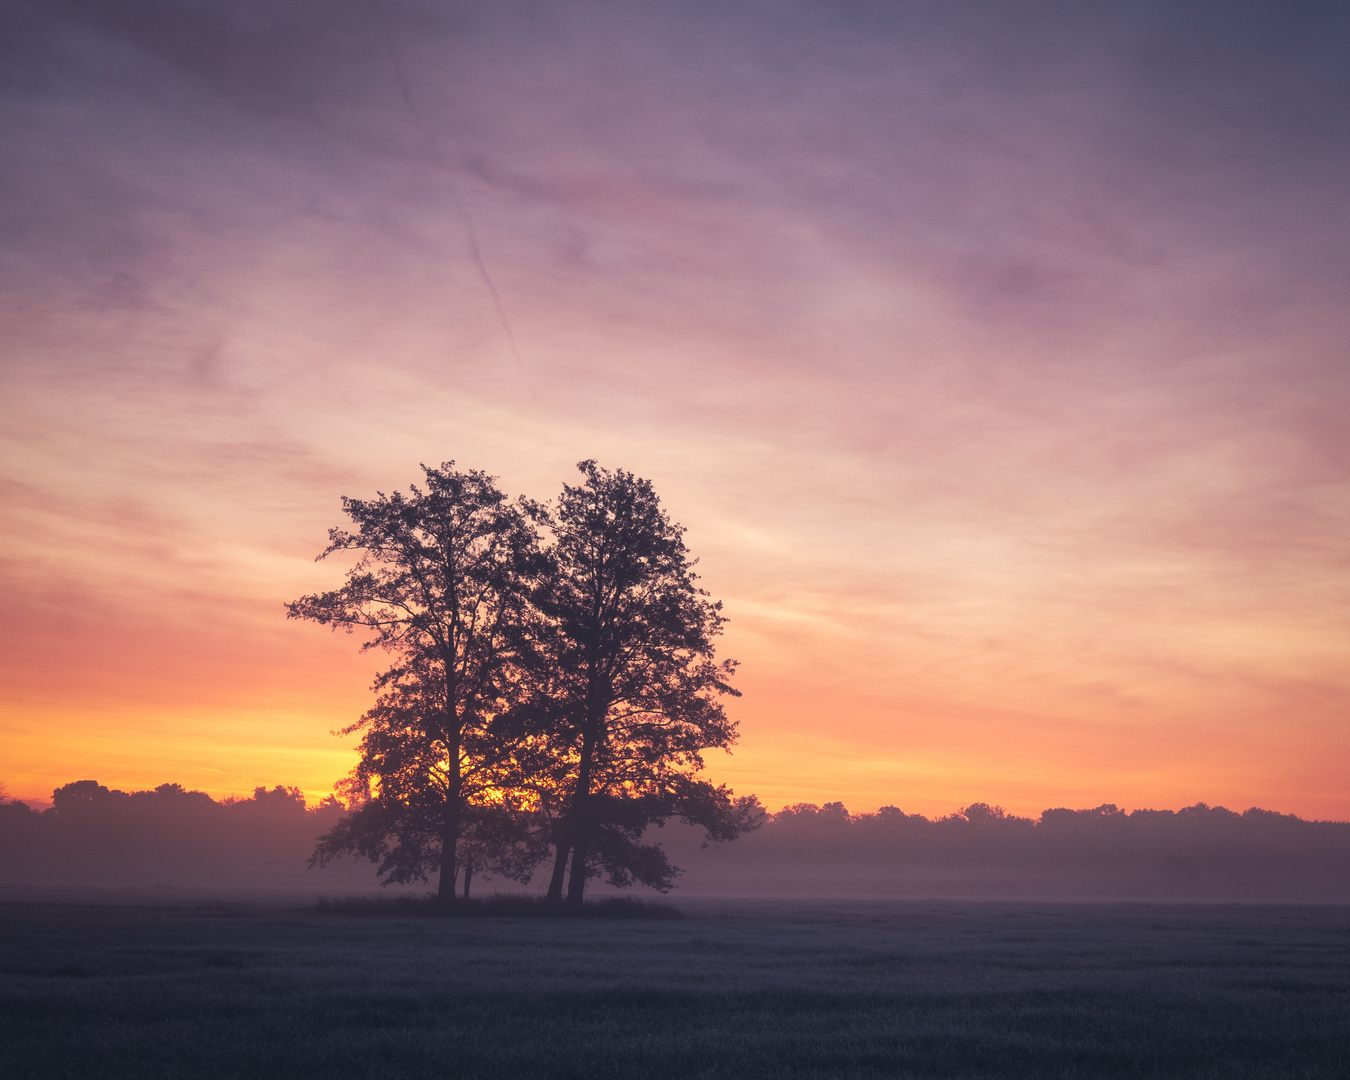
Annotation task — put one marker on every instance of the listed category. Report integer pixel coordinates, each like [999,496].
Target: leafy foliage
[632,682]
[442,583]
[560,696]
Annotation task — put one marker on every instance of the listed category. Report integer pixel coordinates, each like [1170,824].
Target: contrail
[429,136]
[492,288]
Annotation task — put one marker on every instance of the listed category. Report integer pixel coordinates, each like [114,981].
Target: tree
[503,839]
[442,583]
[632,683]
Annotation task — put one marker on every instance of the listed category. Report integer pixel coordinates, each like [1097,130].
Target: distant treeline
[93,835]
[96,836]
[1201,851]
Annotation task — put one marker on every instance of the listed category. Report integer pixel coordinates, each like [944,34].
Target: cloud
[1009,336]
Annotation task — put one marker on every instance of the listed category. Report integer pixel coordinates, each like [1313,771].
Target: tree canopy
[545,691]
[629,638]
[442,582]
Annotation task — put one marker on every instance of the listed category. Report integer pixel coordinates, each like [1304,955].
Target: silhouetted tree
[631,682]
[442,583]
[20,827]
[503,839]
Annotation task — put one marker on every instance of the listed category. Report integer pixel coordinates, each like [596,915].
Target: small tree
[632,682]
[441,583]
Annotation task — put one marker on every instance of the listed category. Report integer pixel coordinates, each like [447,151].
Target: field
[733,990]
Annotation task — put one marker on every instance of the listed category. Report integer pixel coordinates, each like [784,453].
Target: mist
[1195,853]
[170,838]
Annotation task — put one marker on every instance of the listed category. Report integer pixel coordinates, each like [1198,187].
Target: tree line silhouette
[1199,851]
[553,686]
[93,835]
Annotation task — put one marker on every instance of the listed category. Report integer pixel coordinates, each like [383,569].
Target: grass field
[733,990]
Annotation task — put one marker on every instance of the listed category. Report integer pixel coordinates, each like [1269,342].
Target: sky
[995,356]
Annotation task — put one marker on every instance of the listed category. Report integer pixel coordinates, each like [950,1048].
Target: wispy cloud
[993,354]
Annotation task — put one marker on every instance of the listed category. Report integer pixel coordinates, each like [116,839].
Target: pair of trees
[543,696]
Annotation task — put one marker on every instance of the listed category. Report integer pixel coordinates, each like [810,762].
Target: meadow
[733,989]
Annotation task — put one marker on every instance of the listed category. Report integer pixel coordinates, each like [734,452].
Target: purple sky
[995,356]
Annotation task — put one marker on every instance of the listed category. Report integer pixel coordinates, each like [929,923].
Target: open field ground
[772,989]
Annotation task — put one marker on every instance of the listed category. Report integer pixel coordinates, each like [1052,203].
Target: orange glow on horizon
[1006,416]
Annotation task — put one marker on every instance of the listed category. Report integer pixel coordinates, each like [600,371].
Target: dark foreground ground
[735,990]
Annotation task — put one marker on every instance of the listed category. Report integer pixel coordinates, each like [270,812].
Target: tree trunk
[555,885]
[581,819]
[576,885]
[468,876]
[445,888]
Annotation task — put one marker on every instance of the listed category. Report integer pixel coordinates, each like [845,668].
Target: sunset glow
[997,367]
